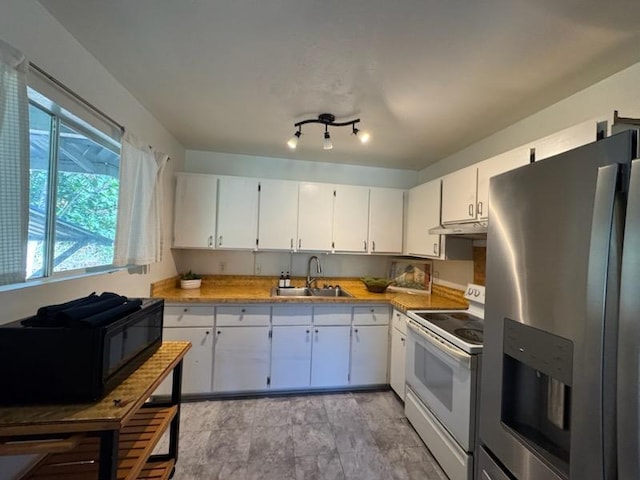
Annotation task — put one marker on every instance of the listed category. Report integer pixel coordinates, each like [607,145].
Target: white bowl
[188,284]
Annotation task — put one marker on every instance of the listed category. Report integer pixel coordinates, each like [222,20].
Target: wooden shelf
[157,470]
[138,438]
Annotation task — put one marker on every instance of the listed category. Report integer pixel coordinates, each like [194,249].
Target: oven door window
[435,375]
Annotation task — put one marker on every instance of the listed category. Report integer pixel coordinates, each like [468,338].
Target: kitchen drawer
[243,316]
[488,469]
[292,315]
[331,315]
[399,321]
[188,316]
[378,315]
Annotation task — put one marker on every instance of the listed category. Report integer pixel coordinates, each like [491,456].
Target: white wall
[26,25]
[617,92]
[299,170]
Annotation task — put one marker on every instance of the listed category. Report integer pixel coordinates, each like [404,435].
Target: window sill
[60,278]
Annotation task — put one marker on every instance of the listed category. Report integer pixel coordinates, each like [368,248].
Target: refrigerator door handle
[628,374]
[602,284]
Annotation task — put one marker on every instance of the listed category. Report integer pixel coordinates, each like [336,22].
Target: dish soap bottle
[287,280]
[281,280]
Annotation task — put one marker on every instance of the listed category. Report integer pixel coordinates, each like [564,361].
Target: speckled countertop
[247,289]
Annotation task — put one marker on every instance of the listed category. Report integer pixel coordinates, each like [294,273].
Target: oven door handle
[453,352]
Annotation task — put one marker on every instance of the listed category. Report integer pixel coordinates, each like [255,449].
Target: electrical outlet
[222,266]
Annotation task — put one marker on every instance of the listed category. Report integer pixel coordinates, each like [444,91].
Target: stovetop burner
[472,335]
[463,326]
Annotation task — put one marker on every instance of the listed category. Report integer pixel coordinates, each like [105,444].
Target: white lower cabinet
[330,356]
[291,357]
[241,361]
[369,346]
[198,363]
[193,324]
[397,364]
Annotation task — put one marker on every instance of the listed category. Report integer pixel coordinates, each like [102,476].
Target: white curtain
[14,165]
[139,232]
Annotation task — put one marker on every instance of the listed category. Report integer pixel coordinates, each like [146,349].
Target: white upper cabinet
[237,212]
[459,195]
[195,211]
[278,218]
[315,216]
[566,139]
[350,218]
[386,206]
[423,213]
[495,166]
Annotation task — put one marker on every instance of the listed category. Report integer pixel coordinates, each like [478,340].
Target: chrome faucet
[310,280]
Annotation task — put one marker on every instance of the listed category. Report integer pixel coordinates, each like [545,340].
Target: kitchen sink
[309,292]
[330,292]
[290,292]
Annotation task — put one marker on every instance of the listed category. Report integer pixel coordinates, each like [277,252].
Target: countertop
[249,289]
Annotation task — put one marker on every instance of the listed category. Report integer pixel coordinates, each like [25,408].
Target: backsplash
[479,265]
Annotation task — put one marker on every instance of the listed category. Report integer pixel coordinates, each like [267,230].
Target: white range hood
[469,230]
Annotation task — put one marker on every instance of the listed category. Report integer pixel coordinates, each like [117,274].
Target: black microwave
[75,365]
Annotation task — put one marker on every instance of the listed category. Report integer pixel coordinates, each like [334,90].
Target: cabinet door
[386,206]
[397,370]
[291,357]
[423,213]
[459,195]
[330,356]
[278,218]
[495,166]
[241,360]
[315,216]
[350,218]
[237,213]
[198,363]
[369,358]
[194,223]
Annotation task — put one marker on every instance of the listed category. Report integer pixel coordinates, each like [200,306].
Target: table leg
[109,440]
[176,396]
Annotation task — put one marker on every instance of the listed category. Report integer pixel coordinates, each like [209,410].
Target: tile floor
[350,436]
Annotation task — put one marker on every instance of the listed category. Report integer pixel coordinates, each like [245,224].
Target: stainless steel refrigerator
[560,373]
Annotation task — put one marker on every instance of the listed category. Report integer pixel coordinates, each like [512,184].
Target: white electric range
[443,374]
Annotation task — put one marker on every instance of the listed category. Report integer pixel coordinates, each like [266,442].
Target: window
[73,201]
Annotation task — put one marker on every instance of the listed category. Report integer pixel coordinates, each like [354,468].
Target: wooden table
[106,440]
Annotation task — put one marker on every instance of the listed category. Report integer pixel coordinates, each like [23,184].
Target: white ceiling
[427,77]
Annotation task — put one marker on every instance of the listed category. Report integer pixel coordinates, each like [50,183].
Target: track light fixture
[328,120]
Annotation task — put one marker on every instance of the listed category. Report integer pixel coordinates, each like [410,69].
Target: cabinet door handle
[365,245]
[402,339]
[308,331]
[373,246]
[479,208]
[207,332]
[471,209]
[243,310]
[186,309]
[292,244]
[355,330]
[316,330]
[435,248]
[218,332]
[299,243]
[211,240]
[220,241]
